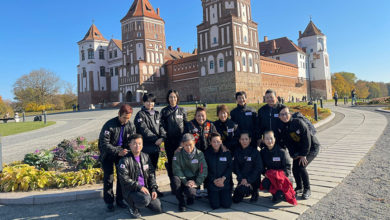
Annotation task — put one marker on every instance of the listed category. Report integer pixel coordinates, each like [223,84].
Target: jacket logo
[146,166]
[107,132]
[249,159]
[157,121]
[298,131]
[140,119]
[295,137]
[122,166]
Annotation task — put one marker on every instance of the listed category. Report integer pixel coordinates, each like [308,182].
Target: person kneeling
[220,167]
[248,167]
[189,171]
[136,175]
[276,170]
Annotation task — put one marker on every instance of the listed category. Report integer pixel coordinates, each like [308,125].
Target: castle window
[312,65]
[110,55]
[101,54]
[102,71]
[84,72]
[250,62]
[211,65]
[243,61]
[82,55]
[221,63]
[139,34]
[90,54]
[115,53]
[215,40]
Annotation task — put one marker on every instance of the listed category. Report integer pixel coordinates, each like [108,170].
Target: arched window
[221,63]
[211,64]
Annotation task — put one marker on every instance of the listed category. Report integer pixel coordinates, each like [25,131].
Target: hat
[187,137]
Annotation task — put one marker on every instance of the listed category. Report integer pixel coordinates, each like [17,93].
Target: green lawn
[11,128]
[47,112]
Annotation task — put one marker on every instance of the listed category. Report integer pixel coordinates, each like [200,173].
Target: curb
[382,110]
[96,192]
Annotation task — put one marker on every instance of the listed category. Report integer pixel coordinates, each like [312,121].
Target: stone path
[343,146]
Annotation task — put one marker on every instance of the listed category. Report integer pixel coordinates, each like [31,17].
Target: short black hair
[270,91]
[282,107]
[267,132]
[247,133]
[135,136]
[149,97]
[175,92]
[241,93]
[213,135]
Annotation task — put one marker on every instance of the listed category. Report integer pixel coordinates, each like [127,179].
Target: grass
[305,109]
[12,128]
[47,112]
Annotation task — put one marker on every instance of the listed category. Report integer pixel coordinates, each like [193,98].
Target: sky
[44,33]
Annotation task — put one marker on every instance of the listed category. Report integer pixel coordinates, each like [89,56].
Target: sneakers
[298,191]
[134,212]
[182,207]
[278,196]
[306,194]
[255,196]
[110,207]
[121,204]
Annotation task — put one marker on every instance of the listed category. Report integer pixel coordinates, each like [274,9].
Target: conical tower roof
[142,8]
[93,34]
[311,30]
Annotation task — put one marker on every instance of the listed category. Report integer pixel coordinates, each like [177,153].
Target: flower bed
[377,101]
[72,163]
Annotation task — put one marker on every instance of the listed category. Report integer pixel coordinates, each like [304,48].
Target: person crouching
[219,179]
[138,180]
[189,171]
[277,168]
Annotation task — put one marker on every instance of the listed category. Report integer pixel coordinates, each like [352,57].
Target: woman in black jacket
[173,119]
[302,146]
[226,128]
[248,167]
[147,122]
[220,166]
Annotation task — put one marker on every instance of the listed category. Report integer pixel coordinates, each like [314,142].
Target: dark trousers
[242,191]
[141,200]
[182,190]
[300,173]
[108,180]
[335,102]
[154,159]
[170,148]
[220,198]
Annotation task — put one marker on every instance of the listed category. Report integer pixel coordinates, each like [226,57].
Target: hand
[159,142]
[178,149]
[244,182]
[123,152]
[259,142]
[154,195]
[145,191]
[191,184]
[302,160]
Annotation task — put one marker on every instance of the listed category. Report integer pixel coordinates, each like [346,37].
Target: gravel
[365,192]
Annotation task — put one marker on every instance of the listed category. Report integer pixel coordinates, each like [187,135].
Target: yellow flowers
[23,177]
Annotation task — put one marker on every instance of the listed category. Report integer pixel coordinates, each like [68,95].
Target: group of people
[270,143]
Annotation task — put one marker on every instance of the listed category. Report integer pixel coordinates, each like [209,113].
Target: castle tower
[314,42]
[143,41]
[228,51]
[93,81]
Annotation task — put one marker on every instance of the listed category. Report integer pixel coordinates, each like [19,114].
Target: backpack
[311,127]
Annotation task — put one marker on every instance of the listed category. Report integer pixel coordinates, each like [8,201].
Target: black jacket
[173,121]
[109,137]
[129,171]
[276,159]
[245,117]
[218,164]
[150,128]
[229,133]
[268,118]
[247,164]
[201,133]
[296,137]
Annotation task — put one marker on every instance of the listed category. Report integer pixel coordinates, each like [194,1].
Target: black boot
[255,195]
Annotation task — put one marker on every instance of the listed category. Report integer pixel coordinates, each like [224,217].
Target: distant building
[228,59]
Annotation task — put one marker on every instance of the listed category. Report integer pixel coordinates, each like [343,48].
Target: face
[200,117]
[149,105]
[136,146]
[223,116]
[245,140]
[216,143]
[270,99]
[172,99]
[188,146]
[285,115]
[269,140]
[241,100]
[124,118]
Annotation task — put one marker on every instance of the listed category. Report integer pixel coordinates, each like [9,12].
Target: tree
[362,89]
[39,86]
[383,90]
[374,89]
[349,77]
[5,108]
[340,85]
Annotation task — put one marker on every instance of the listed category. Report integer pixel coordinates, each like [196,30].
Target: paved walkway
[343,146]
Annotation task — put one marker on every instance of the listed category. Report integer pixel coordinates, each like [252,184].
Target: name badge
[248,113]
[179,116]
[222,159]
[174,158]
[231,130]
[276,159]
[249,159]
[195,161]
[146,166]
[196,130]
[276,115]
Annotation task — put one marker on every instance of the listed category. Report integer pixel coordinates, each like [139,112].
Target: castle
[228,58]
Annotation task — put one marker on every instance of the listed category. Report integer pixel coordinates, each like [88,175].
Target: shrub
[41,159]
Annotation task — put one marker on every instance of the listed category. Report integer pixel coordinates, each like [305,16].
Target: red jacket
[279,181]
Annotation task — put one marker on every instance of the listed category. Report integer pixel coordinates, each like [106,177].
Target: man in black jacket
[113,144]
[303,147]
[138,180]
[244,116]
